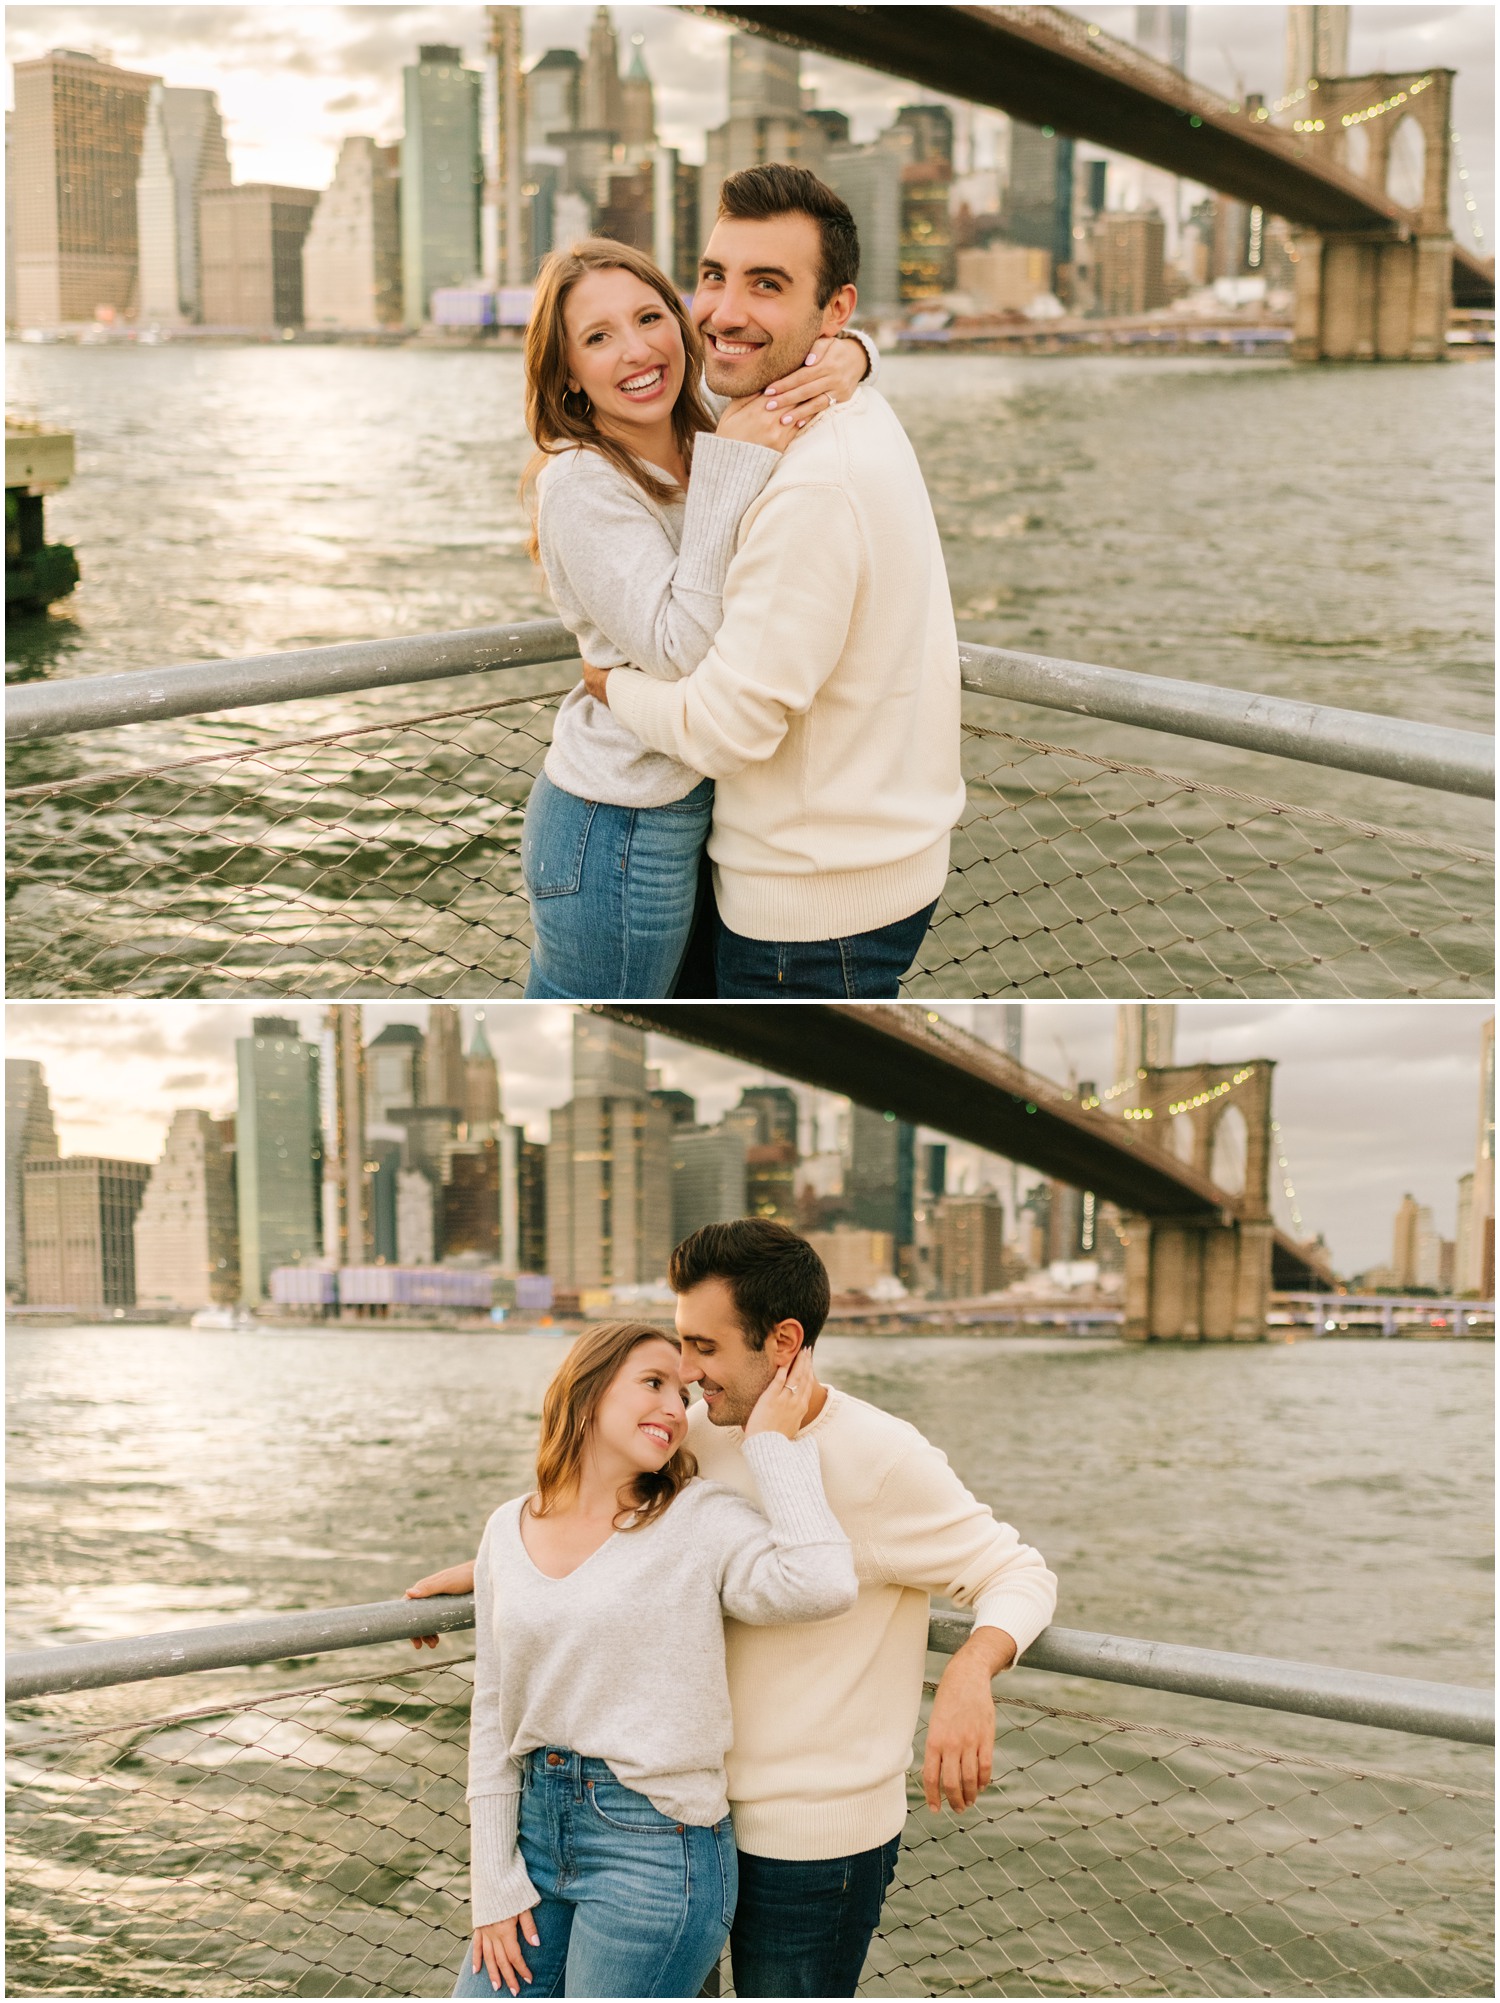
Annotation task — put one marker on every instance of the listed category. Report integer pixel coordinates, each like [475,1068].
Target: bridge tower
[1365,297]
[1206,1279]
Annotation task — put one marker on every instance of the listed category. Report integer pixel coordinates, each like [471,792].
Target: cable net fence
[315,1844]
[385,859]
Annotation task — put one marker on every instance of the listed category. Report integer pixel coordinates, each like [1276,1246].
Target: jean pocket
[729,1868]
[621,1808]
[554,841]
[699,803]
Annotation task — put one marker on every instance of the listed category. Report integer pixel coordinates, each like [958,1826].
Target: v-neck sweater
[622,1659]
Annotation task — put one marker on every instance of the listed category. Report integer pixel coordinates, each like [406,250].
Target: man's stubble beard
[775,360]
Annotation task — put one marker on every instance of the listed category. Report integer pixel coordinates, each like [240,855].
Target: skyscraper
[776,1113]
[708,1177]
[346,1196]
[880,1173]
[80,1242]
[1317,45]
[75,155]
[351,256]
[183,153]
[599,101]
[766,121]
[393,1072]
[278,1151]
[637,101]
[868,177]
[186,1243]
[442,176]
[552,97]
[251,240]
[504,250]
[443,1079]
[1476,1273]
[1038,207]
[482,1113]
[1162,32]
[29,1136]
[609,1179]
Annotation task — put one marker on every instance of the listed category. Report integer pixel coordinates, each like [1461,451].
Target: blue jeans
[632,1903]
[865,967]
[613,891]
[803,1929]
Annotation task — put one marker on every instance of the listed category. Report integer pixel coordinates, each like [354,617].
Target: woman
[638,495]
[602,1858]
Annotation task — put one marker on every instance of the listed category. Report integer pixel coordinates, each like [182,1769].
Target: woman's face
[642,1417]
[624,351]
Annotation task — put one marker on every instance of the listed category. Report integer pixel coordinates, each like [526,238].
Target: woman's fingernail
[788,420]
[770,403]
[811,359]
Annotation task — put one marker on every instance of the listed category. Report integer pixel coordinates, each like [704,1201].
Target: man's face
[716,1354]
[757,301]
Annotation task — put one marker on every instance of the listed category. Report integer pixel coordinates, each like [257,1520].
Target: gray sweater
[623,1659]
[638,582]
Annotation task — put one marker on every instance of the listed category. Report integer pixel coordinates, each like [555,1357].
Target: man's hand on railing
[961,1731]
[456,1579]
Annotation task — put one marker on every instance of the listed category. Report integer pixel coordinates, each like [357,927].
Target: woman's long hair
[558,419]
[568,1408]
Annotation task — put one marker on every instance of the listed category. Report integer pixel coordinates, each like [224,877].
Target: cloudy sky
[293,80]
[1374,1099]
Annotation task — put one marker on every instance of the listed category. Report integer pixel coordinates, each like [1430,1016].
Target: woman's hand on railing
[782,1406]
[498,1949]
[456,1579]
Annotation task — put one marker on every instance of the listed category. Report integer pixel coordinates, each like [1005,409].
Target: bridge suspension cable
[1286,1175]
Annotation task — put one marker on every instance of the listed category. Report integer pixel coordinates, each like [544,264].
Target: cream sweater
[827,708]
[824,1716]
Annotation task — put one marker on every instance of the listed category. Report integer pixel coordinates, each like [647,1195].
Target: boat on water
[231,1320]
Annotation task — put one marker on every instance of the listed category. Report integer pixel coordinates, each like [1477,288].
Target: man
[827,710]
[824,1714]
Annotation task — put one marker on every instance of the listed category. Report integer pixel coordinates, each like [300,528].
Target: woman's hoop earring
[588,408]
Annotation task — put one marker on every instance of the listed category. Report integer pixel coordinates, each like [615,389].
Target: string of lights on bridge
[1286,1176]
[1463,174]
[1191,1105]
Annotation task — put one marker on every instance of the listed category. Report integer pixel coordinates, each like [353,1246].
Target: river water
[1328,1502]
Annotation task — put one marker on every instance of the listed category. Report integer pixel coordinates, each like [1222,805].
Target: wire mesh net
[386,860]
[315,1843]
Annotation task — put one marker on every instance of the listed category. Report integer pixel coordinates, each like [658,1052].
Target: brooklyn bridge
[1375,276]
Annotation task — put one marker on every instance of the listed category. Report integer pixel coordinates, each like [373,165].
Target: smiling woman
[602,1852]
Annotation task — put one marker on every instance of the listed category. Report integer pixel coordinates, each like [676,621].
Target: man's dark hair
[772,1275]
[755,194]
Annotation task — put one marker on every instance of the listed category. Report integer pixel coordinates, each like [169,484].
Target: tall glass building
[278,1151]
[442,177]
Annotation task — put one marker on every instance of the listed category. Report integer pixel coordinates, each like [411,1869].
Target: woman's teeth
[658,1433]
[647,381]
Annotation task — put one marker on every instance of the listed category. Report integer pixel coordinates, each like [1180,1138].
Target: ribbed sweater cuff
[727,475]
[789,1475]
[1020,1617]
[498,1881]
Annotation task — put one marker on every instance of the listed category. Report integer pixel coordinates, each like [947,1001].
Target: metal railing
[314,1840]
[383,856]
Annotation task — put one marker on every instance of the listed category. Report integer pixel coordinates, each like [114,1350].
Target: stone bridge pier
[1205,1279]
[1376,296]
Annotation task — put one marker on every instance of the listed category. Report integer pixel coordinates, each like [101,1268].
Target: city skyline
[293,83]
[1352,1083]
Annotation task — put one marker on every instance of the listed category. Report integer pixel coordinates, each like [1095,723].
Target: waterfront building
[628,211]
[183,153]
[482,1115]
[880,1173]
[278,1151]
[708,1177]
[1416,1246]
[252,239]
[186,1240]
[505,257]
[600,105]
[856,1259]
[471,1201]
[393,1072]
[444,1078]
[771,1180]
[346,1203]
[427,1133]
[442,175]
[75,157]
[1125,255]
[1039,197]
[1475,1269]
[384,1172]
[531,1204]
[351,257]
[971,1256]
[1004,277]
[416,1218]
[766,122]
[30,1135]
[551,97]
[80,1239]
[609,1168]
[681,1108]
[868,178]
[776,1112]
